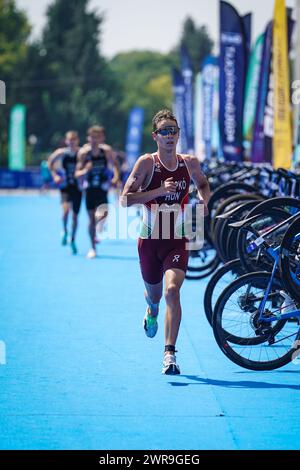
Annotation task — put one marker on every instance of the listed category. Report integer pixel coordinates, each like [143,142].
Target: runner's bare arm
[83,166]
[140,174]
[53,158]
[199,180]
[113,163]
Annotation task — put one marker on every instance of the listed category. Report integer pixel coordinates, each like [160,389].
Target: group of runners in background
[92,169]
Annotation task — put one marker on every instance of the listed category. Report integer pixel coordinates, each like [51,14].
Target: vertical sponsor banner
[264,133]
[198,118]
[16,143]
[290,26]
[251,92]
[215,140]
[187,74]
[2,92]
[282,118]
[232,82]
[270,98]
[209,73]
[179,109]
[268,127]
[134,135]
[258,143]
[2,96]
[296,89]
[296,102]
[296,154]
[247,22]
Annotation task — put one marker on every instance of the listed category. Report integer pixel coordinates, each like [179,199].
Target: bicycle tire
[233,266]
[285,254]
[224,341]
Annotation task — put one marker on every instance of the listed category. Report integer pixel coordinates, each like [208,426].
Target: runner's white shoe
[91,254]
[170,367]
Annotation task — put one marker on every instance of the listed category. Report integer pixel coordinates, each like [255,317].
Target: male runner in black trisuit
[97,165]
[62,164]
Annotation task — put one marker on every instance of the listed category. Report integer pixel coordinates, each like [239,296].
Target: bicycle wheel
[223,192]
[262,345]
[196,274]
[290,260]
[225,237]
[259,259]
[230,203]
[217,283]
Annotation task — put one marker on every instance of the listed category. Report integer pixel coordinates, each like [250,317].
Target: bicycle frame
[273,254]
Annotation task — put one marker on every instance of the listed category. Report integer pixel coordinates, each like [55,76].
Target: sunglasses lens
[167,131]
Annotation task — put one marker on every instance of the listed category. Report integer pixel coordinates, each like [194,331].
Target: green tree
[146,82]
[14,34]
[197,41]
[69,83]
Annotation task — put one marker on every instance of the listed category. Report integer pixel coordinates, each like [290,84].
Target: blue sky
[153,24]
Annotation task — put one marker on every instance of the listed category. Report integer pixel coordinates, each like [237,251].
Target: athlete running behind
[62,165]
[97,166]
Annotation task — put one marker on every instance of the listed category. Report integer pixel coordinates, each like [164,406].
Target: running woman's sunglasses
[167,130]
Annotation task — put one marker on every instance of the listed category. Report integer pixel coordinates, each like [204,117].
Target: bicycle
[252,323]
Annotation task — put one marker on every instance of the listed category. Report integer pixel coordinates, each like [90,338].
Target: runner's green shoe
[150,324]
[64,238]
[73,247]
